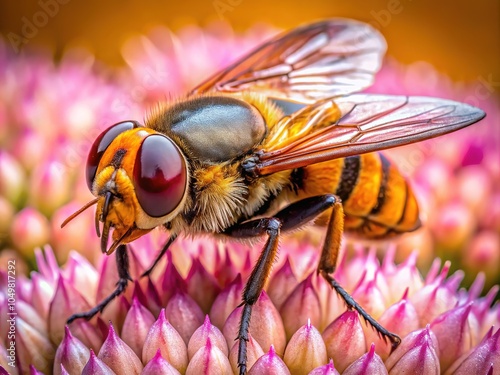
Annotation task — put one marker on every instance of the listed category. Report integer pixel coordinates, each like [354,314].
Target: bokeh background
[447,48]
[460,38]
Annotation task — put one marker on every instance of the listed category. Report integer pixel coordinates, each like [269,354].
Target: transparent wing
[357,124]
[312,62]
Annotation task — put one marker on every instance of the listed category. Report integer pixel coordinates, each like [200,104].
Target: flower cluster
[185,318]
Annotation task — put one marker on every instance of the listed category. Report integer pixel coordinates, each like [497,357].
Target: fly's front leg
[124,277]
[160,255]
[328,263]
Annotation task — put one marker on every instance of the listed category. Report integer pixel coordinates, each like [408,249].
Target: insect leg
[259,274]
[160,255]
[291,217]
[327,265]
[124,276]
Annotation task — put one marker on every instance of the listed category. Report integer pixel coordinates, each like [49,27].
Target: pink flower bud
[282,284]
[483,254]
[483,359]
[29,229]
[108,276]
[72,354]
[370,296]
[305,350]
[149,298]
[300,306]
[158,365]
[47,264]
[135,265]
[31,147]
[228,299]
[491,218]
[49,186]
[453,226]
[404,277]
[361,267]
[435,176]
[29,314]
[118,355]
[163,336]
[204,296]
[266,327]
[434,298]
[182,259]
[81,274]
[34,371]
[247,267]
[96,366]
[456,331]
[367,364]
[420,242]
[401,318]
[345,340]
[171,282]
[254,352]
[209,360]
[78,235]
[417,353]
[225,270]
[184,314]
[481,310]
[269,364]
[87,334]
[32,347]
[474,178]
[12,178]
[136,326]
[490,163]
[331,305]
[66,302]
[204,332]
[328,369]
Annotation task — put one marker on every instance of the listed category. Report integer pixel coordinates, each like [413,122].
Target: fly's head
[139,178]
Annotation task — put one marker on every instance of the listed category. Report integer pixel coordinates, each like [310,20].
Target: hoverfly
[274,141]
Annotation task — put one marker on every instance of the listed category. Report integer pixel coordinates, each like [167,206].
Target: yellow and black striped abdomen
[377,199]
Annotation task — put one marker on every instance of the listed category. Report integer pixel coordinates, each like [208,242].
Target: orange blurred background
[460,39]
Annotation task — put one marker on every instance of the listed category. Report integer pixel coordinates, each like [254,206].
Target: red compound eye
[160,176]
[100,145]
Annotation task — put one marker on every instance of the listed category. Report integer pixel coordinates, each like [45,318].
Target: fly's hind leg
[328,263]
[291,217]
